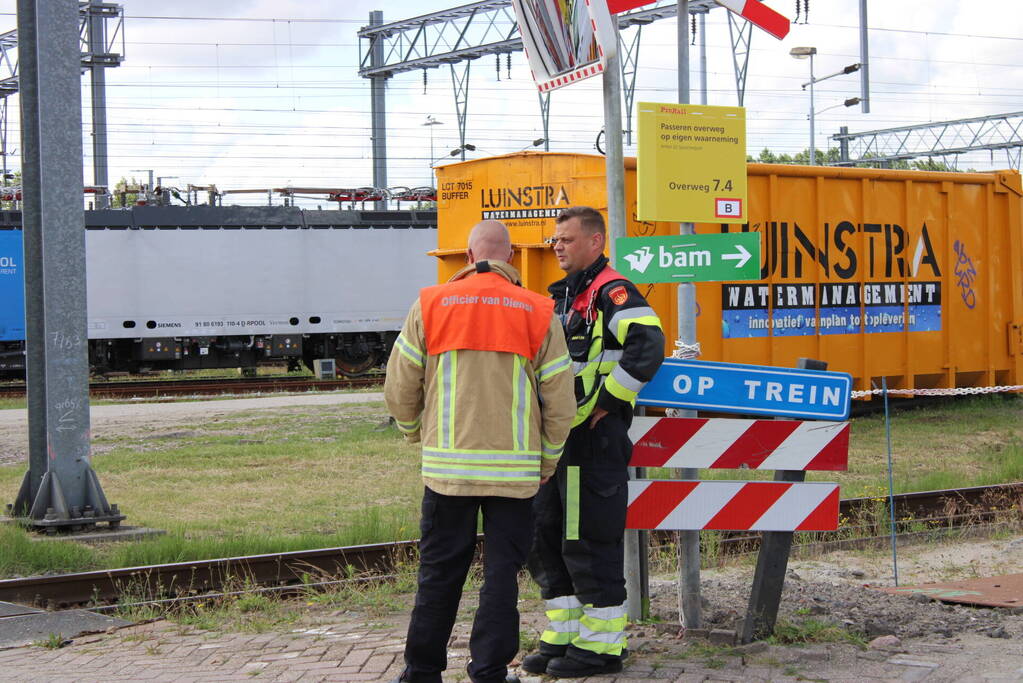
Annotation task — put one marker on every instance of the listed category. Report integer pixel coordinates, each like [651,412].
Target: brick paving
[344,646]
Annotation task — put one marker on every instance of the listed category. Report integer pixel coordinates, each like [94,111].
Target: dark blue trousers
[446,549]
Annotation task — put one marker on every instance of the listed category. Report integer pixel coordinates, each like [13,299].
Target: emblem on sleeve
[619,295]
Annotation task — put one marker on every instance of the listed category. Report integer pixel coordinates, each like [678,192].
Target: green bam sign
[689,258]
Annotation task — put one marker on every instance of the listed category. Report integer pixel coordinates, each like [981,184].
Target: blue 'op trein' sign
[750,389]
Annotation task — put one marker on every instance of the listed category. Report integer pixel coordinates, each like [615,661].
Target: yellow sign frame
[691,164]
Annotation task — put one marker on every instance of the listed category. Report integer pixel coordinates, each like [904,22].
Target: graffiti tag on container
[966,273]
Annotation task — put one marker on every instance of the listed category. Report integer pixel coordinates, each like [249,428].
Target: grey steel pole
[864,61]
[97,42]
[60,488]
[378,112]
[813,150]
[703,58]
[615,164]
[689,541]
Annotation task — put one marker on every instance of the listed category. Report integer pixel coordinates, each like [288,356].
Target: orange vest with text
[484,312]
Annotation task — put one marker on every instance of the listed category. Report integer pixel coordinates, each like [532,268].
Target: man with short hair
[480,374]
[616,345]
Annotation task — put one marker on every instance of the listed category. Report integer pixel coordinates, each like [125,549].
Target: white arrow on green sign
[689,258]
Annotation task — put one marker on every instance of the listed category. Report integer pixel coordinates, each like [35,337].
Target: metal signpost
[60,488]
[749,389]
[689,258]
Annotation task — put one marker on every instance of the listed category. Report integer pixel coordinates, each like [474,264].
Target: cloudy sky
[259,94]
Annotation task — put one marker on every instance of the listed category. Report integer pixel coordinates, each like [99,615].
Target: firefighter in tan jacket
[481,375]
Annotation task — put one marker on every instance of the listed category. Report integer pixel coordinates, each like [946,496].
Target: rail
[304,570]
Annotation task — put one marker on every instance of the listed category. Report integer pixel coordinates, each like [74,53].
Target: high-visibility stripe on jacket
[492,418]
[614,337]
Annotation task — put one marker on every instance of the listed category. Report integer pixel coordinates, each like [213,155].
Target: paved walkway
[343,646]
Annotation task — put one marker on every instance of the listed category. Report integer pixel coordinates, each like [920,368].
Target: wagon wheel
[352,365]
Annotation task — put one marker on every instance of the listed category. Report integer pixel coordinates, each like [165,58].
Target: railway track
[295,571]
[209,387]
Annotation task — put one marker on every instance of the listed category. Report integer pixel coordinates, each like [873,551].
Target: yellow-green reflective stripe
[620,321]
[583,411]
[555,367]
[572,504]
[455,462]
[451,398]
[598,647]
[627,381]
[604,625]
[615,388]
[623,325]
[527,400]
[572,614]
[408,426]
[555,638]
[551,450]
[478,451]
[482,477]
[518,401]
[408,350]
[442,370]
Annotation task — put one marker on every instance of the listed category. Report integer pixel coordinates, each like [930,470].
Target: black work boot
[578,663]
[537,662]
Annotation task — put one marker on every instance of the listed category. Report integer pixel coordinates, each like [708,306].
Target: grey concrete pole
[813,147]
[689,541]
[60,484]
[864,61]
[97,41]
[378,111]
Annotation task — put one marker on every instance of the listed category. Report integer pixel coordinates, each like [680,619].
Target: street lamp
[803,53]
[431,122]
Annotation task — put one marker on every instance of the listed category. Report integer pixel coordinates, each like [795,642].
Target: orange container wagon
[910,275]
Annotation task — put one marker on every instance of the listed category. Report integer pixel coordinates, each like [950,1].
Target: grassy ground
[253,482]
[313,476]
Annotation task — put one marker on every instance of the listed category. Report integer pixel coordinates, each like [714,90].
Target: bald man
[480,375]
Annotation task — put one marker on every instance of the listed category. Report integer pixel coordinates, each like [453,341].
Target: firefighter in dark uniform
[616,345]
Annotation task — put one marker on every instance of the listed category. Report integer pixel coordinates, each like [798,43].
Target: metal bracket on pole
[545,115]
[741,33]
[629,60]
[460,83]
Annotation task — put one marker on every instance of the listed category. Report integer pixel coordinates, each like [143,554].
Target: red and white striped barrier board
[616,6]
[760,15]
[725,443]
[732,505]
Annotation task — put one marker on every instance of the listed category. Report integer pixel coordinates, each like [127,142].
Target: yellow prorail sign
[692,163]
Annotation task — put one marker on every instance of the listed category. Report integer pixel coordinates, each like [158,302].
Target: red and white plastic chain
[955,391]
